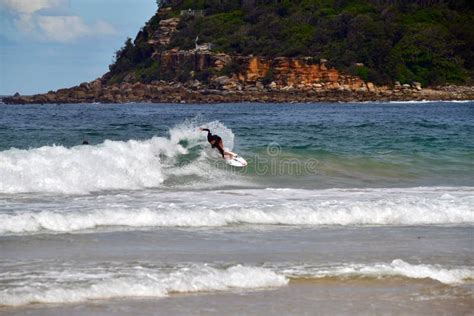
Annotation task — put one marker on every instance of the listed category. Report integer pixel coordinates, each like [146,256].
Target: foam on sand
[69,285]
[59,283]
[397,267]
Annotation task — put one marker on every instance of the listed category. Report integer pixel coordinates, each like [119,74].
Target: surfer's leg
[228,154]
[220,145]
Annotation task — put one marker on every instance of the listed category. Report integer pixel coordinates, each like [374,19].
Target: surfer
[216,142]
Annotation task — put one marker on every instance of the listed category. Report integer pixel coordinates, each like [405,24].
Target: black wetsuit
[217,140]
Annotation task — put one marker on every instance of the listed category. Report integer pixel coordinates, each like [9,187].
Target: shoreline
[148,102]
[393,296]
[94,92]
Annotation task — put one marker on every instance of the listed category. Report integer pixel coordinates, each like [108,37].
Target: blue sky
[51,44]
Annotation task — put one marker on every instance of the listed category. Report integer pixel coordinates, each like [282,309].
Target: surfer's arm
[204,130]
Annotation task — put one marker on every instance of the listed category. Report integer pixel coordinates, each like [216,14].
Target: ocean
[357,209]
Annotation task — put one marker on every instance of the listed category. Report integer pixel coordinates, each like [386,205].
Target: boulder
[336,85]
[118,99]
[195,84]
[139,86]
[115,89]
[63,93]
[130,77]
[84,85]
[362,89]
[222,80]
[96,85]
[108,97]
[51,96]
[139,93]
[371,87]
[78,94]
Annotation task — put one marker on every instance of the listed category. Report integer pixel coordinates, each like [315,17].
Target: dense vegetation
[430,41]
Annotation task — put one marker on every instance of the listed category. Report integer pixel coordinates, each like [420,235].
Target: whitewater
[111,165]
[214,208]
[66,284]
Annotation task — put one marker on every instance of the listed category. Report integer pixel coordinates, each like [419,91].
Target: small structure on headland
[162,3]
[202,47]
[192,13]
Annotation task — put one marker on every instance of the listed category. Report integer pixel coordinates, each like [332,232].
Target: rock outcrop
[298,73]
[260,80]
[162,36]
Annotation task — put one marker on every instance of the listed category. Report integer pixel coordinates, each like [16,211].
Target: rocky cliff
[296,82]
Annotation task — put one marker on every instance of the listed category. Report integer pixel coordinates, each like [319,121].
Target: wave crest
[72,286]
[397,267]
[69,283]
[112,165]
[438,206]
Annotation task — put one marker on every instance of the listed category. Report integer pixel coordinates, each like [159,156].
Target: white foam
[397,267]
[71,286]
[27,283]
[439,206]
[428,101]
[112,165]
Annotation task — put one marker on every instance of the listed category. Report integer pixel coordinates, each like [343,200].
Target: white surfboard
[235,161]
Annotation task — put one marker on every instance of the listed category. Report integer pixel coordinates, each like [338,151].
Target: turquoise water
[347,204]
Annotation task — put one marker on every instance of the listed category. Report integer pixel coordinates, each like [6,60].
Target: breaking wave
[112,165]
[396,268]
[422,206]
[65,283]
[72,285]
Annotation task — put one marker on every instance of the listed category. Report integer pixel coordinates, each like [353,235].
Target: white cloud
[69,28]
[57,28]
[103,27]
[62,28]
[30,6]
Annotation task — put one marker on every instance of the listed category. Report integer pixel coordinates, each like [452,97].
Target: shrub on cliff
[268,77]
[231,68]
[130,55]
